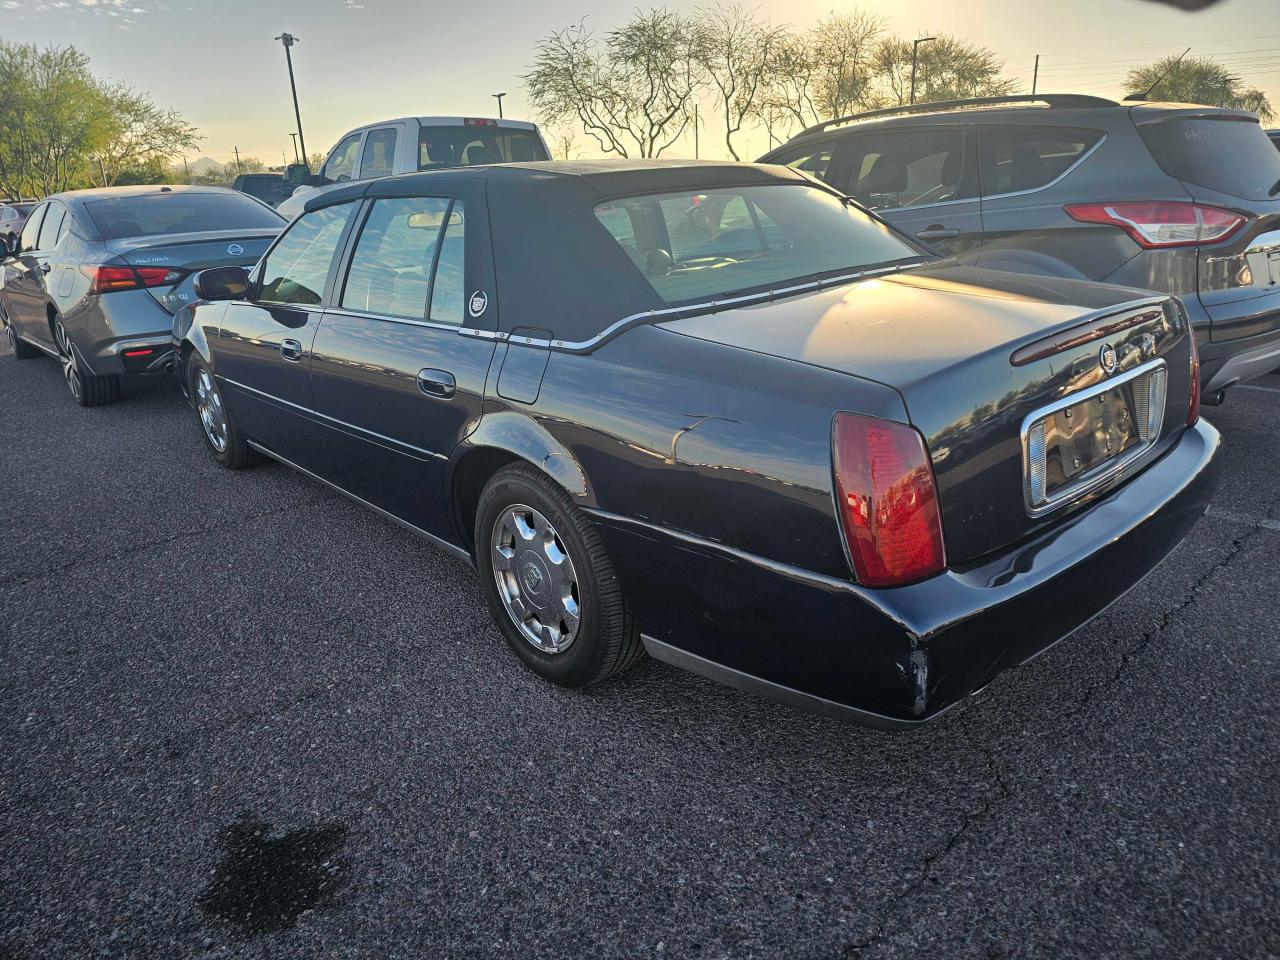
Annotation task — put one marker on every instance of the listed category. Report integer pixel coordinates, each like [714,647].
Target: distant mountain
[206,165]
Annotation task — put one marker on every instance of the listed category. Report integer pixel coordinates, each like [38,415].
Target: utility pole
[498,97]
[288,39]
[1035,75]
[295,147]
[239,165]
[915,47]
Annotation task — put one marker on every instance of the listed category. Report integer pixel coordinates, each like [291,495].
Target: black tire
[236,454]
[86,389]
[21,349]
[606,642]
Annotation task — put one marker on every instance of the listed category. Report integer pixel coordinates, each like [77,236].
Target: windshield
[700,246]
[155,214]
[1227,154]
[462,146]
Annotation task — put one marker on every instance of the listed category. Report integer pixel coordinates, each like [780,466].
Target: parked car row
[732,415]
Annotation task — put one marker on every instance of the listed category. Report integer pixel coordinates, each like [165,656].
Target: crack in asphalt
[77,563]
[1001,793]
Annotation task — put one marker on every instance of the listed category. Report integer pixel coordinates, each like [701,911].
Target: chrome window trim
[1105,472]
[1056,180]
[369,315]
[160,341]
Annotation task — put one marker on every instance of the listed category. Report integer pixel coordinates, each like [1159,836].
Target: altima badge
[235,250]
[1107,357]
[479,303]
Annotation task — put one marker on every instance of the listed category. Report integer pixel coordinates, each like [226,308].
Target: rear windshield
[706,245]
[463,146]
[1231,156]
[155,214]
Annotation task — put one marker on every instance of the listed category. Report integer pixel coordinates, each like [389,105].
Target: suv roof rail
[1052,99]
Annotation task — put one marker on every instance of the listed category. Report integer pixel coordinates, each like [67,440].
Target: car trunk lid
[946,338]
[185,254]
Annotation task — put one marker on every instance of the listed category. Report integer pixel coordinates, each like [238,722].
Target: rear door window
[50,229]
[1232,156]
[1014,159]
[297,268]
[399,248]
[341,165]
[379,156]
[32,229]
[908,169]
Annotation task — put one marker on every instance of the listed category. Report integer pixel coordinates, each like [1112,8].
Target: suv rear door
[921,179]
[1224,159]
[1025,226]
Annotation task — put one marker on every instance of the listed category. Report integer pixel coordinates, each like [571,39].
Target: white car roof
[452,122]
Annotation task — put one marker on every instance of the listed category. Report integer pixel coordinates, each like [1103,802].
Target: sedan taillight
[109,279]
[887,500]
[1162,223]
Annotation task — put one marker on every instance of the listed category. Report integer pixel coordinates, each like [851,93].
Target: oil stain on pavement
[264,884]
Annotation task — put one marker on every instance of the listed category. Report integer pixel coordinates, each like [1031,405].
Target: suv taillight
[1193,402]
[109,279]
[1162,223]
[887,500]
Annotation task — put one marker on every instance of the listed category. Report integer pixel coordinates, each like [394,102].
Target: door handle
[291,350]
[937,231]
[437,383]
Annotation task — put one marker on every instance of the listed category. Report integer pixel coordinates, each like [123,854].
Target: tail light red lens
[1162,223]
[888,501]
[478,122]
[1193,404]
[110,279]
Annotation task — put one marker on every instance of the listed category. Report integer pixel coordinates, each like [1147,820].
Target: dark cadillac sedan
[716,412]
[98,274]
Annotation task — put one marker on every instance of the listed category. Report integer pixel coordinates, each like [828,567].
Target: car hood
[904,328]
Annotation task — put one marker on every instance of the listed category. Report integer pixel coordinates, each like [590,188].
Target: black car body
[98,275]
[1175,198]
[726,463]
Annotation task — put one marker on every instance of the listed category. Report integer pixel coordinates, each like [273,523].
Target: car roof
[446,122]
[141,190]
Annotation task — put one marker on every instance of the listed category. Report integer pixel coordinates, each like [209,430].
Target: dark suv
[1170,197]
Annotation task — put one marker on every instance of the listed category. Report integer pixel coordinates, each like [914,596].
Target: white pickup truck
[415,143]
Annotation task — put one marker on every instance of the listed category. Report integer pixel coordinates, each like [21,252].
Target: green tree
[1197,80]
[947,68]
[142,136]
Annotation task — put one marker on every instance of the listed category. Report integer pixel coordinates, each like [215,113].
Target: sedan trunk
[184,254]
[1006,378]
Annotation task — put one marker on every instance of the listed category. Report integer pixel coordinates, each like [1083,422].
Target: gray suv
[1169,197]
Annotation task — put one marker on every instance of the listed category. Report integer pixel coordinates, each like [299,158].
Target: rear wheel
[221,436]
[86,389]
[21,349]
[550,585]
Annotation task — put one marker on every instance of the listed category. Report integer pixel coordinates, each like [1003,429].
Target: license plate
[1081,442]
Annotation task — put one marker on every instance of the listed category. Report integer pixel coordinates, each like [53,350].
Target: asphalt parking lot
[244,717]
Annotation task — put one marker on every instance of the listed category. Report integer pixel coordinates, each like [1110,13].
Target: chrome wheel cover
[68,357]
[536,579]
[212,416]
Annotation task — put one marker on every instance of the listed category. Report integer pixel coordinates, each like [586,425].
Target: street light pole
[498,97]
[289,40]
[294,137]
[915,47]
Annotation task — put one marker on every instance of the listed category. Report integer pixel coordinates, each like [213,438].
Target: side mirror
[299,174]
[8,247]
[221,283]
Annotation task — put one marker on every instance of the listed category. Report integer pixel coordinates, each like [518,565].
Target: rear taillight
[887,500]
[478,122]
[109,279]
[1193,403]
[1162,223]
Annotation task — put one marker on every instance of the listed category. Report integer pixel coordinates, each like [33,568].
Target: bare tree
[737,52]
[947,68]
[564,144]
[633,94]
[142,136]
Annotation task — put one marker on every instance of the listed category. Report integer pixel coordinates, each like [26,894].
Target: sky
[360,61]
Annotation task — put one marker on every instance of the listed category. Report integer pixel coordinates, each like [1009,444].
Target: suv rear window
[463,146]
[1227,154]
[156,214]
[706,245]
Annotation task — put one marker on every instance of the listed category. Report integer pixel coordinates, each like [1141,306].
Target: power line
[1149,46]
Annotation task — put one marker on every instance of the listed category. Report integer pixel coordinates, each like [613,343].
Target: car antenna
[1146,94]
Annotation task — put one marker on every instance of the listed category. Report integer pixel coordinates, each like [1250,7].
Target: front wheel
[221,435]
[549,583]
[86,389]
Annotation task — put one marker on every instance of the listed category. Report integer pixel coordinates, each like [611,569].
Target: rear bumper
[900,657]
[1223,364]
